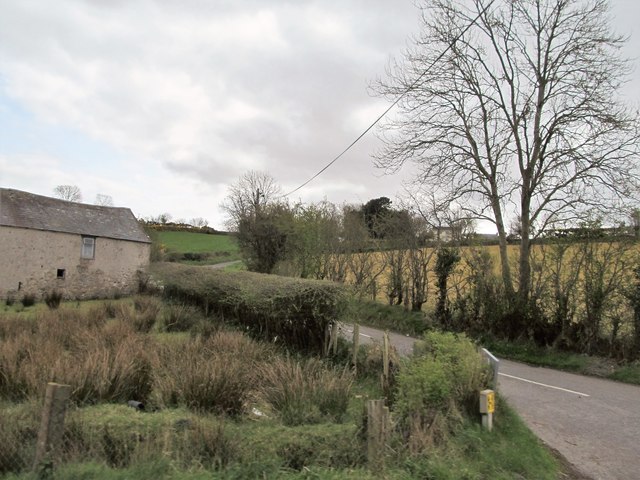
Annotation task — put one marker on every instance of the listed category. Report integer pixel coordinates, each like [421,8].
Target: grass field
[186,433]
[198,248]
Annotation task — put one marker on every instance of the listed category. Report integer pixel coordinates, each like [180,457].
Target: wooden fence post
[356,345]
[334,338]
[377,432]
[385,363]
[52,425]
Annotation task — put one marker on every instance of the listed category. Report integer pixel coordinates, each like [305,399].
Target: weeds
[209,374]
[180,317]
[28,300]
[305,391]
[53,299]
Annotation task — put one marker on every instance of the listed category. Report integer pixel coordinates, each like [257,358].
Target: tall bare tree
[262,220]
[519,119]
[70,193]
[251,192]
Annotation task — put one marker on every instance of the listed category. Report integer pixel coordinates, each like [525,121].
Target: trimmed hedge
[291,311]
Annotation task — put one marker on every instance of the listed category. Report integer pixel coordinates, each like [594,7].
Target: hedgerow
[293,312]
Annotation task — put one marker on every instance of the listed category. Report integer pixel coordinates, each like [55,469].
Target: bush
[304,391]
[9,300]
[439,384]
[370,360]
[53,299]
[28,300]
[295,312]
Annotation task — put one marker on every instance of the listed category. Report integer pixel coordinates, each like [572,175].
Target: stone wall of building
[38,262]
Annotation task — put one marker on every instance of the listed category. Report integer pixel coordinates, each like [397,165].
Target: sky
[163,104]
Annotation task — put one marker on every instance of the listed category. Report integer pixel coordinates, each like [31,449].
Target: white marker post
[487,407]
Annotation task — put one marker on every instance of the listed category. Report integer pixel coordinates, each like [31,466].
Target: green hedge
[294,312]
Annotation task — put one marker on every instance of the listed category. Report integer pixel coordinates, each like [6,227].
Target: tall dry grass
[102,361]
[216,373]
[304,391]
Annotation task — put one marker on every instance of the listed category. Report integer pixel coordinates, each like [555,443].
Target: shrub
[9,300]
[439,384]
[28,300]
[304,391]
[53,299]
[370,360]
[296,312]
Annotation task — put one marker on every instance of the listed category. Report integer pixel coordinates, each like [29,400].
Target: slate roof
[27,210]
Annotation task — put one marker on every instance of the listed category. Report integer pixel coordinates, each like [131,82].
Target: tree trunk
[504,255]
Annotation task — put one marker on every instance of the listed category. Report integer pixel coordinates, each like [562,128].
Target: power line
[407,90]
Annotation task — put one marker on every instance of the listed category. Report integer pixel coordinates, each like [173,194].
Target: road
[220,266]
[592,422]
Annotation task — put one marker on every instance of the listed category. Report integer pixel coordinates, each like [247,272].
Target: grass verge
[571,362]
[386,317]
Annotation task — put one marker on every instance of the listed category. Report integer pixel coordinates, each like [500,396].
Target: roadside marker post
[487,407]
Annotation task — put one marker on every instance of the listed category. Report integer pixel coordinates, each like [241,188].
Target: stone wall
[37,262]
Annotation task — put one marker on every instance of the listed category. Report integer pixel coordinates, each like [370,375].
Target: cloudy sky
[162,104]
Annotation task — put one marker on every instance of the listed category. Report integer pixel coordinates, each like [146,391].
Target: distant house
[80,250]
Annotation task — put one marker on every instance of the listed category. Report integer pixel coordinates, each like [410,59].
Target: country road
[592,422]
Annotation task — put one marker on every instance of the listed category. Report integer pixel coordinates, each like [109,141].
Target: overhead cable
[395,102]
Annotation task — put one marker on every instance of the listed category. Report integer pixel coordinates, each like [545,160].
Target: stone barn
[80,250]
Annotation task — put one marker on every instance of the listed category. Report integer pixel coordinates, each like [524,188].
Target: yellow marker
[491,402]
[487,401]
[487,407]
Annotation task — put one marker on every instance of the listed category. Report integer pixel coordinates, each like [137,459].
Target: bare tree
[520,118]
[199,222]
[104,200]
[70,193]
[251,192]
[262,220]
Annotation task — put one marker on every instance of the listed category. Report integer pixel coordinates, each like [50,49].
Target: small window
[88,247]
[60,273]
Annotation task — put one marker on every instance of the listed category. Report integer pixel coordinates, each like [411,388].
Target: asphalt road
[593,423]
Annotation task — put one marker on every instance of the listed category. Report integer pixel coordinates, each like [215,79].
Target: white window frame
[88,250]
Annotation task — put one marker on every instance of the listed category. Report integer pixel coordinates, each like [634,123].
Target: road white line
[362,334]
[543,384]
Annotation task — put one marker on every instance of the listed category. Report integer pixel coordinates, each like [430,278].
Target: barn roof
[27,210]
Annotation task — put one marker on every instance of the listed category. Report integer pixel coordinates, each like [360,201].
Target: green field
[198,248]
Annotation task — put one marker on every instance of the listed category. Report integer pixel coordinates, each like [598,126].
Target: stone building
[80,250]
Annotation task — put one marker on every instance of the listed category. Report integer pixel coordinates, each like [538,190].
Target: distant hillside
[200,248]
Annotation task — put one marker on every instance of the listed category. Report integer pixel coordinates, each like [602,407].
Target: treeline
[164,222]
[584,294]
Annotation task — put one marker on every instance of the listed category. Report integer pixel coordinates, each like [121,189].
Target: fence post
[52,425]
[334,338]
[385,363]
[356,345]
[377,432]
